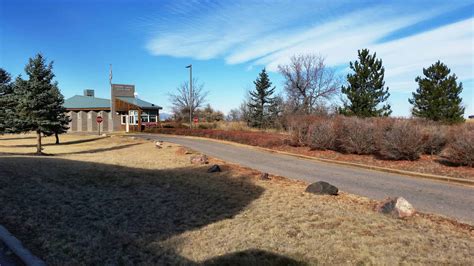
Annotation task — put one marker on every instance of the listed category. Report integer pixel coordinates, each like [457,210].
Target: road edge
[445,179]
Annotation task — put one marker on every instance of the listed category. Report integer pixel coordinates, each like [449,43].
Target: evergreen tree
[260,102]
[366,89]
[58,113]
[7,102]
[38,101]
[438,95]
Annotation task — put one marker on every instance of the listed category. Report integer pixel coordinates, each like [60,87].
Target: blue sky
[228,42]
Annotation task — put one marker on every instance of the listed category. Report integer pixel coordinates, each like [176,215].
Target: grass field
[122,201]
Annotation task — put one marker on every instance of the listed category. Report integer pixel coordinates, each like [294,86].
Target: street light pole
[190,95]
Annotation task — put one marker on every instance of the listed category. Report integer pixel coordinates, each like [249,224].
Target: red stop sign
[99,119]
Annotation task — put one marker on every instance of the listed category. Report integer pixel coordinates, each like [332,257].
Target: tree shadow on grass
[17,138]
[53,144]
[252,257]
[88,151]
[74,212]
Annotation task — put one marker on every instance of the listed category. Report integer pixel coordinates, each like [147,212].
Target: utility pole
[191,102]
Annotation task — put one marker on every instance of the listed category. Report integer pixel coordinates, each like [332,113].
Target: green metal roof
[79,101]
[140,103]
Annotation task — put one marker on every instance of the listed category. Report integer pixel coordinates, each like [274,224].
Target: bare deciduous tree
[309,82]
[181,100]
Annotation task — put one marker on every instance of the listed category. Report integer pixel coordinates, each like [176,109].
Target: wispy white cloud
[268,33]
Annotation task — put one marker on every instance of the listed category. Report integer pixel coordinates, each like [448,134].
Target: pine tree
[260,102]
[7,103]
[58,113]
[438,95]
[366,89]
[38,101]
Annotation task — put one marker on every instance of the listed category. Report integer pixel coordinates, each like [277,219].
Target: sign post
[99,121]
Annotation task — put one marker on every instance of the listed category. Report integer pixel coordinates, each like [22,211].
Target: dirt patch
[92,204]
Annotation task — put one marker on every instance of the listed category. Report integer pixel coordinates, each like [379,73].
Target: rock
[188,152]
[264,176]
[214,168]
[159,144]
[199,159]
[397,207]
[322,188]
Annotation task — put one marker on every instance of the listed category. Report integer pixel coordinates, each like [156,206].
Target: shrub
[356,135]
[321,135]
[403,141]
[298,127]
[461,150]
[435,138]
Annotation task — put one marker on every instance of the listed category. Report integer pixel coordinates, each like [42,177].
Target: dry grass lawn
[122,201]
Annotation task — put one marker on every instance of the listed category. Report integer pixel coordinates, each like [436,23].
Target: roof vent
[89,93]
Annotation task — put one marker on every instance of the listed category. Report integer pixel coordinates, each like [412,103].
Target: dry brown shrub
[356,135]
[403,141]
[322,134]
[461,150]
[298,127]
[435,138]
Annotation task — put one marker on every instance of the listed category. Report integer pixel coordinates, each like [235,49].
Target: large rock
[159,144]
[215,168]
[199,159]
[397,207]
[322,188]
[264,176]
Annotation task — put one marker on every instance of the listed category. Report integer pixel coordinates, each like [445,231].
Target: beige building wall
[110,121]
[85,121]
[91,121]
[73,124]
[104,126]
[81,121]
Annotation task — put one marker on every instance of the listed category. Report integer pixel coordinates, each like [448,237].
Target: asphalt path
[452,200]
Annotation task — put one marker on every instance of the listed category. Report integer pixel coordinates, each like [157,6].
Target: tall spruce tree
[366,90]
[7,102]
[58,112]
[261,100]
[38,99]
[438,95]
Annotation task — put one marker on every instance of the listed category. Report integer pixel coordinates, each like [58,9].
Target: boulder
[397,207]
[215,168]
[159,144]
[322,188]
[264,176]
[199,159]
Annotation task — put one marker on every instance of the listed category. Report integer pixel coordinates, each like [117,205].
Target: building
[123,112]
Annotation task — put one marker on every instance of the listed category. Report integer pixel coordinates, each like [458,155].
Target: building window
[124,119]
[153,118]
[133,117]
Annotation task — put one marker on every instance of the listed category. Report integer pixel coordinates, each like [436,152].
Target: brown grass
[123,201]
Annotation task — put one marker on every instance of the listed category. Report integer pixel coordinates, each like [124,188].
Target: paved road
[426,195]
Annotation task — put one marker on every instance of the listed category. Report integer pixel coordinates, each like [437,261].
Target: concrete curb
[20,251]
[447,179]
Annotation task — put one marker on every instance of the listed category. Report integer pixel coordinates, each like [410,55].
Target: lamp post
[190,95]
